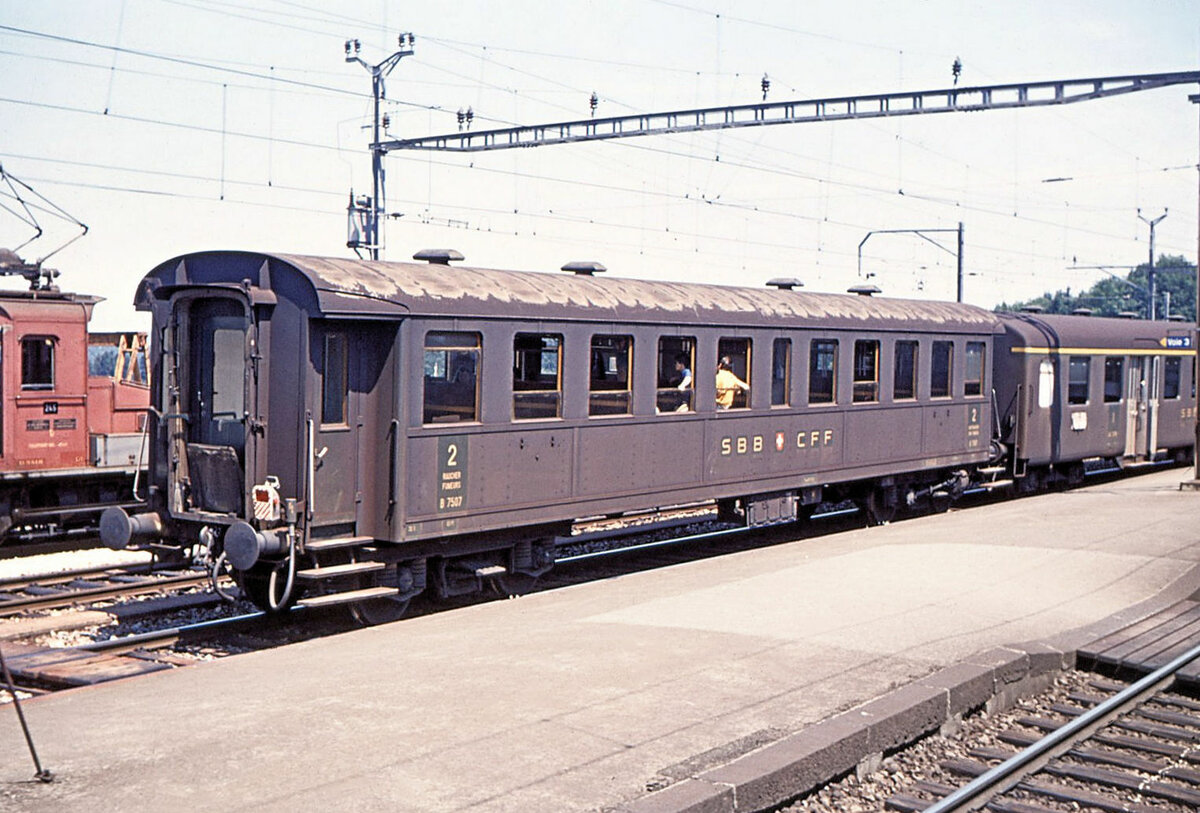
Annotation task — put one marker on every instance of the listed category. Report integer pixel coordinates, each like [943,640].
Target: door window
[335,381]
[1079,373]
[1114,368]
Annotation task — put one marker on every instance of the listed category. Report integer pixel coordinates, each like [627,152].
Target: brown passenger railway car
[349,431]
[1075,388]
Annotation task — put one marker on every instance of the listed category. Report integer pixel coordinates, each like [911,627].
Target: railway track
[1088,743]
[1111,746]
[39,670]
[72,588]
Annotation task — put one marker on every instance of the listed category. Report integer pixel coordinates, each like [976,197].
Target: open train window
[973,380]
[537,381]
[676,361]
[904,378]
[781,372]
[1078,378]
[939,369]
[610,387]
[1114,372]
[37,363]
[1172,372]
[451,379]
[733,374]
[822,371]
[866,371]
[335,380]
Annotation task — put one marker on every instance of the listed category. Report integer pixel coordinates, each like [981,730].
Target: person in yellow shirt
[728,384]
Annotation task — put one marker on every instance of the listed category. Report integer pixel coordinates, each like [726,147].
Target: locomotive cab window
[609,387]
[781,372]
[866,371]
[904,385]
[1078,379]
[1114,372]
[973,380]
[733,374]
[940,368]
[451,379]
[1172,371]
[37,363]
[335,381]
[537,381]
[676,361]
[822,371]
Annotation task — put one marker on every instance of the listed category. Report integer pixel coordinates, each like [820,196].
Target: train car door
[1138,416]
[211,399]
[335,426]
[350,426]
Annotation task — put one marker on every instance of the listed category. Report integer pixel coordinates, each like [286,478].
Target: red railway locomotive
[72,410]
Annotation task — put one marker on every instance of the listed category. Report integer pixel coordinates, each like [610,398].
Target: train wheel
[256,586]
[378,611]
[512,585]
[387,609]
[879,508]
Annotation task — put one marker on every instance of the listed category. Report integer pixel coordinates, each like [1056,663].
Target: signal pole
[365,214]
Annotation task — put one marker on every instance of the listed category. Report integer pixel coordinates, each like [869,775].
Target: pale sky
[239,125]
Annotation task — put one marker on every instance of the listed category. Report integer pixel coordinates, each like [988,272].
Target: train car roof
[351,288]
[1081,333]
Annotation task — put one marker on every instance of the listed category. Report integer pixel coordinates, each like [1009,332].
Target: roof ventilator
[864,290]
[584,268]
[1127,315]
[1177,317]
[1033,309]
[785,283]
[438,256]
[1082,312]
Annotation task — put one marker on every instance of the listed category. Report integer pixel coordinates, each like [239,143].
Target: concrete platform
[582,698]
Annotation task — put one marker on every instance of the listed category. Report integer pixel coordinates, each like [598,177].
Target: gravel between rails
[900,772]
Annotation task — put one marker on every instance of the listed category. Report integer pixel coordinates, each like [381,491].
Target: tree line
[1121,295]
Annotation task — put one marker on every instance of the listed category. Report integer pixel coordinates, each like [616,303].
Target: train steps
[333,543]
[330,599]
[334,571]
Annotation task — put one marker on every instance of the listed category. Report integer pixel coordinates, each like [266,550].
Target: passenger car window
[37,363]
[781,372]
[676,361]
[940,368]
[1114,368]
[451,377]
[822,371]
[866,370]
[610,384]
[334,380]
[1172,369]
[904,385]
[973,380]
[1078,379]
[733,374]
[537,383]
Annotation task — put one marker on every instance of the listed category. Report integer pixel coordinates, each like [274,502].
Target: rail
[1002,777]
